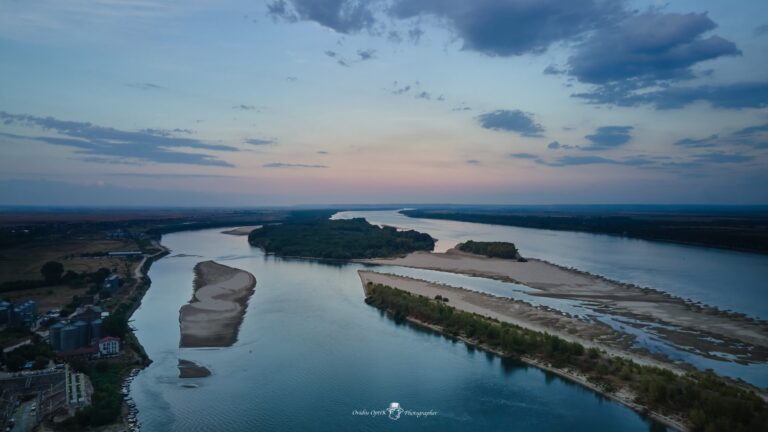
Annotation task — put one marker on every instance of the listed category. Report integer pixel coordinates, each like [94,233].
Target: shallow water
[311,352]
[726,279]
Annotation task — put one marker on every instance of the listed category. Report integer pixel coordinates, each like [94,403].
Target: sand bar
[686,325]
[241,231]
[213,316]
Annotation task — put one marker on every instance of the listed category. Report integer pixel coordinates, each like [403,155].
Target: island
[491,249]
[213,317]
[338,239]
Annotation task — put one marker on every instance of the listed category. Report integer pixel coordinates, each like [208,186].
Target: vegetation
[38,352]
[491,249]
[738,231]
[706,401]
[106,402]
[338,239]
[52,271]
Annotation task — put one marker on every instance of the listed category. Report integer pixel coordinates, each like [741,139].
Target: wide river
[312,355]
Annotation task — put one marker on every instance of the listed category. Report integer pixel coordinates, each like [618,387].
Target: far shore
[687,325]
[213,316]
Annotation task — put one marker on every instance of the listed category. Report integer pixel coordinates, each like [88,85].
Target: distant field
[24,261]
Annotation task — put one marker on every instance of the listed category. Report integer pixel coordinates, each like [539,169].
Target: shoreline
[521,313]
[564,373]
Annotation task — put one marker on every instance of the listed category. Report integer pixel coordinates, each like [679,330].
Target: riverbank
[691,327]
[709,402]
[213,316]
[566,327]
[623,395]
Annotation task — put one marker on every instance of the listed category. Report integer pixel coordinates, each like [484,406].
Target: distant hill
[338,239]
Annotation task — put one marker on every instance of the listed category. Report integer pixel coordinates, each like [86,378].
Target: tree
[52,271]
[115,325]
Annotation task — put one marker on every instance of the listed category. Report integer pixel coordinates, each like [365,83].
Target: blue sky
[334,101]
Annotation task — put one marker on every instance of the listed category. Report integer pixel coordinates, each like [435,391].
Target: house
[109,346]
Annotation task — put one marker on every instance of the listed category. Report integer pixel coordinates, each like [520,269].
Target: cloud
[752,136]
[291,165]
[167,132]
[145,86]
[291,79]
[554,145]
[710,141]
[366,54]
[244,107]
[513,121]
[656,51]
[761,30]
[105,144]
[512,27]
[725,96]
[648,47]
[581,160]
[342,16]
[608,137]
[524,156]
[553,70]
[168,175]
[722,157]
[258,141]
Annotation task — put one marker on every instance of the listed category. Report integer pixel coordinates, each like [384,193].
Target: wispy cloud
[245,107]
[145,86]
[258,141]
[106,144]
[292,165]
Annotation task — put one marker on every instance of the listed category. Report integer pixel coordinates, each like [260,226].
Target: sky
[281,102]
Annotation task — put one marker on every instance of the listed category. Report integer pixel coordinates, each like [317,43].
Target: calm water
[729,280]
[311,352]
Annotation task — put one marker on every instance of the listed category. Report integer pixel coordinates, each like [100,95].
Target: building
[109,346]
[23,314]
[54,336]
[111,284]
[84,330]
[6,313]
[70,338]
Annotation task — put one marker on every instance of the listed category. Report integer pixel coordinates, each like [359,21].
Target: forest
[338,239]
[737,232]
[504,250]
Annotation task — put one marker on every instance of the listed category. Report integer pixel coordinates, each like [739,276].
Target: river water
[311,354]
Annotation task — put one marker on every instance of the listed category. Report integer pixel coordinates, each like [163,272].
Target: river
[312,355]
[311,352]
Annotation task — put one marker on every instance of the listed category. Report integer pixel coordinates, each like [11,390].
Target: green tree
[52,271]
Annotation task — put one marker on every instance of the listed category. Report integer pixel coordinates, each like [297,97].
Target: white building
[109,346]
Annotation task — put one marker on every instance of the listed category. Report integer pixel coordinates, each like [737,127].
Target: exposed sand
[587,333]
[213,316]
[190,369]
[241,231]
[691,327]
